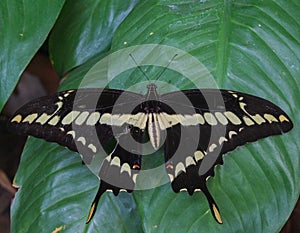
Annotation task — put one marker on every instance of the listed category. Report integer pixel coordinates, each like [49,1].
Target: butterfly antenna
[161,73]
[166,67]
[139,67]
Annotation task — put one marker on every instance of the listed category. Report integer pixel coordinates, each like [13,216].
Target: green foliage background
[249,46]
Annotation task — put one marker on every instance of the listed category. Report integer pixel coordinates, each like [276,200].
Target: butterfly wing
[72,118]
[82,120]
[211,123]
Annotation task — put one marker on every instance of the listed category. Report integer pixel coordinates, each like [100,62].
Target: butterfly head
[152,93]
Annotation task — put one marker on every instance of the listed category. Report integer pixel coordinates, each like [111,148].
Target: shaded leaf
[85,28]
[22,36]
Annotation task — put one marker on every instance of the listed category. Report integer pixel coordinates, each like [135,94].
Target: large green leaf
[249,46]
[84,29]
[24,26]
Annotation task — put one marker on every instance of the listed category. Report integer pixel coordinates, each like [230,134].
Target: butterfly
[193,127]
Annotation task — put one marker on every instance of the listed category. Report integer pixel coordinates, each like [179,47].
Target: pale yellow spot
[93,118]
[270,118]
[183,119]
[217,214]
[179,168]
[200,119]
[54,121]
[248,121]
[189,161]
[232,118]
[126,168]
[125,42]
[110,119]
[196,119]
[210,119]
[116,161]
[108,158]
[258,119]
[198,155]
[72,133]
[282,118]
[82,140]
[231,134]
[212,147]
[171,119]
[81,118]
[69,118]
[30,118]
[151,33]
[222,139]
[106,119]
[122,119]
[189,119]
[171,177]
[221,118]
[17,119]
[115,119]
[43,118]
[92,147]
[59,106]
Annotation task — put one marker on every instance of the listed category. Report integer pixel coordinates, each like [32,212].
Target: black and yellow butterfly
[194,127]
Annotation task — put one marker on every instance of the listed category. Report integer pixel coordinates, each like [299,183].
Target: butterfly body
[194,128]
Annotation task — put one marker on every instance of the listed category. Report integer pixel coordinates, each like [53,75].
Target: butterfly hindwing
[120,168]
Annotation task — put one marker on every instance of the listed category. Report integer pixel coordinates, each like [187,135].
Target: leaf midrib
[223,43]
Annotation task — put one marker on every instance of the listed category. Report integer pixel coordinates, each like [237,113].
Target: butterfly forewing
[72,118]
[244,117]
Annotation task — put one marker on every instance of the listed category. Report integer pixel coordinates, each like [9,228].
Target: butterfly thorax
[148,112]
